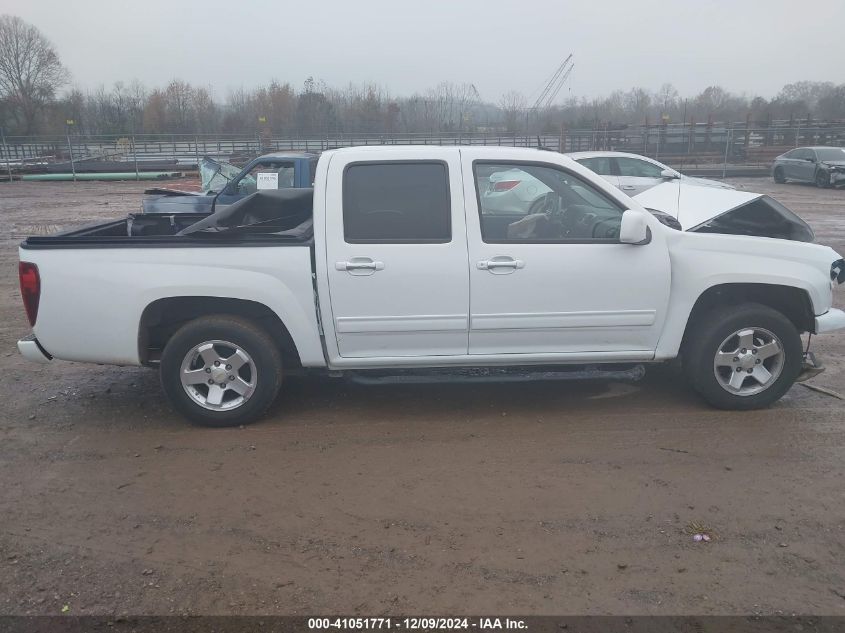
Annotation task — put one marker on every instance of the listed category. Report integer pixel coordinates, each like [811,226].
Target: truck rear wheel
[221,371]
[742,357]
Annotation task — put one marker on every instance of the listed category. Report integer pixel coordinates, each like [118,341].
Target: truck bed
[161,230]
[265,217]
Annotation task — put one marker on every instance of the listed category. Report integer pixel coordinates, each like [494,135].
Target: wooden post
[6,152]
[691,142]
[747,130]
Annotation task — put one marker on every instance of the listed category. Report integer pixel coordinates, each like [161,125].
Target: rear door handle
[359,266]
[502,264]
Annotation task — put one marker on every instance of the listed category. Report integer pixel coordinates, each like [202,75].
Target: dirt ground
[531,499]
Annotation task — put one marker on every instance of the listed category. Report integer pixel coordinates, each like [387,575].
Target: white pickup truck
[421,260]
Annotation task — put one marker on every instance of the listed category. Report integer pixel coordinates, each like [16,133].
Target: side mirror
[634,228]
[669,174]
[810,160]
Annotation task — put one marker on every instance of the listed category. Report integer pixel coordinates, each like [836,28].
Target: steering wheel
[606,229]
[545,204]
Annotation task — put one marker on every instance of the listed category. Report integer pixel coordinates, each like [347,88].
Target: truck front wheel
[221,371]
[742,357]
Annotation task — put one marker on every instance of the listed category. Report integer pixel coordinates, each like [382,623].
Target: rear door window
[637,168]
[400,202]
[599,164]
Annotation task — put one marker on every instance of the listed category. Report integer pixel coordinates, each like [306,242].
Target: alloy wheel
[218,375]
[749,361]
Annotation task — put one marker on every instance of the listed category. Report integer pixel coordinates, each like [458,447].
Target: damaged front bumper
[831,320]
[837,178]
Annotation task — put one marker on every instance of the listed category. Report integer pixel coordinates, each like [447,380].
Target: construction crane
[552,87]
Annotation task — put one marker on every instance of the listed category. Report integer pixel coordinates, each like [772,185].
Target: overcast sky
[751,46]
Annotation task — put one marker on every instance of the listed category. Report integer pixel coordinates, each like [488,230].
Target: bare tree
[466,98]
[668,97]
[30,70]
[512,105]
[179,99]
[155,113]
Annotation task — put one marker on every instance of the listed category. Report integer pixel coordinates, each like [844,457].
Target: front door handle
[500,264]
[628,187]
[359,266]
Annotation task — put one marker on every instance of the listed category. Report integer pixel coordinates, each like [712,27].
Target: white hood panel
[695,204]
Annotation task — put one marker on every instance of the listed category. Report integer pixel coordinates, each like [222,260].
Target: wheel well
[162,318]
[793,303]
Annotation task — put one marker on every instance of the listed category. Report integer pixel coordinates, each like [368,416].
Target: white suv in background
[633,173]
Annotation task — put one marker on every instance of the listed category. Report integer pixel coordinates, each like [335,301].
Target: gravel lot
[531,499]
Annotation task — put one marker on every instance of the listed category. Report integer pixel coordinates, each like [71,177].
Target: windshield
[831,153]
[216,174]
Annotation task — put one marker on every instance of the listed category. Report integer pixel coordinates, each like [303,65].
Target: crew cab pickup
[415,261]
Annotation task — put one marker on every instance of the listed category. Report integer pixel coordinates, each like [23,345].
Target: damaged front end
[763,217]
[215,175]
[837,271]
[729,212]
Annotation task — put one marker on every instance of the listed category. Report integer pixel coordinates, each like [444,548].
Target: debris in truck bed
[276,209]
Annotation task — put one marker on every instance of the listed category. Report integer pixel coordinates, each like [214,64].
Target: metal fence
[702,146]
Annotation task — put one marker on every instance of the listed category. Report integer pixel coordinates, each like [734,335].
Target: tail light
[505,185]
[30,289]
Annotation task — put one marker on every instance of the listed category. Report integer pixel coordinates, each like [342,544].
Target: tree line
[37,97]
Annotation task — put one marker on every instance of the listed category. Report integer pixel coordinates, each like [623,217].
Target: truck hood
[729,211]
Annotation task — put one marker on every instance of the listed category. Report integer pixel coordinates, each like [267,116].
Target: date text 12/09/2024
[417,624]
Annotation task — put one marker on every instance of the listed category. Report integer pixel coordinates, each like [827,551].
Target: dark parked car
[289,170]
[824,166]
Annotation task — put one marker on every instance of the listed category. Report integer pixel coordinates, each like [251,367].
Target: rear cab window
[397,202]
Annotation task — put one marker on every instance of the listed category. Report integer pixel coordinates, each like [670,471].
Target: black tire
[779,177]
[822,179]
[247,336]
[711,329]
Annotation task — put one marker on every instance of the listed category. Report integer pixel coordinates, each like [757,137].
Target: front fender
[703,261]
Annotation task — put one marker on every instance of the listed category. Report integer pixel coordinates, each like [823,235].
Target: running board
[492,374]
